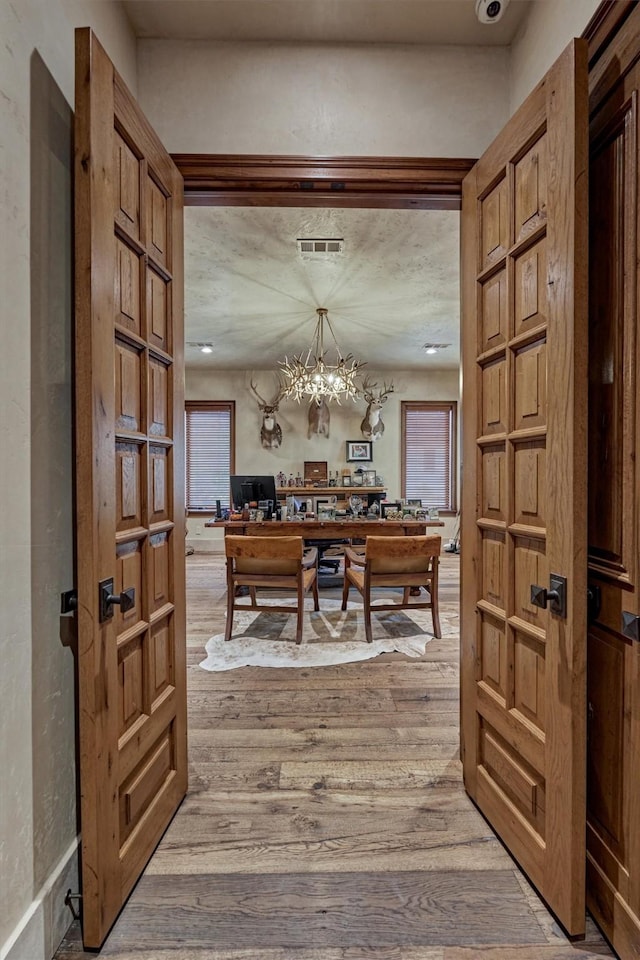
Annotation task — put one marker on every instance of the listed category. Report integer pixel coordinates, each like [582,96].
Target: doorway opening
[392,292]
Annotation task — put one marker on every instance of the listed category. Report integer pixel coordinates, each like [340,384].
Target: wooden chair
[406,562]
[279,562]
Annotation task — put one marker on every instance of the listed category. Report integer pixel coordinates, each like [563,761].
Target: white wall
[251,457]
[279,98]
[38,819]
[545,33]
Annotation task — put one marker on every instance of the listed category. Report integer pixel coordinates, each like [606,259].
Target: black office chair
[330,554]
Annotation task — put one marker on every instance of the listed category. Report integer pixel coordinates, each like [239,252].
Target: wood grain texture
[130,491]
[613,764]
[326,819]
[328,529]
[524,412]
[388,182]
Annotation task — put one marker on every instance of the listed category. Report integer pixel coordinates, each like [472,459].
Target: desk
[326,529]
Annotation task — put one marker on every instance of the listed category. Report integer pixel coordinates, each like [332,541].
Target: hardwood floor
[326,820]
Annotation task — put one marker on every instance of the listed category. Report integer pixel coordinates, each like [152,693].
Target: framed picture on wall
[359,450]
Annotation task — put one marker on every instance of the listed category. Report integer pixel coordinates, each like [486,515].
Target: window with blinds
[209,430]
[429,454]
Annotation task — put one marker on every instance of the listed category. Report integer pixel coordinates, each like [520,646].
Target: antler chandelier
[315,376]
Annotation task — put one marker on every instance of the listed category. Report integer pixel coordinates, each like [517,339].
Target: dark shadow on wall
[55,810]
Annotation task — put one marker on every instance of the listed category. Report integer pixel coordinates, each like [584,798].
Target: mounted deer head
[319,417]
[372,426]
[270,431]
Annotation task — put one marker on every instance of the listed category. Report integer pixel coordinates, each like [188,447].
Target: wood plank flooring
[326,820]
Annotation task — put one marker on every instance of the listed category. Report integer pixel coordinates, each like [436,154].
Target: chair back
[270,556]
[402,554]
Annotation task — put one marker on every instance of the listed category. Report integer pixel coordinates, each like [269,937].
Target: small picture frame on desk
[325,508]
[369,478]
[346,480]
[391,509]
[359,451]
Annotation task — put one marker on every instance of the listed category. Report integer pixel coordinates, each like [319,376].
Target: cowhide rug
[331,636]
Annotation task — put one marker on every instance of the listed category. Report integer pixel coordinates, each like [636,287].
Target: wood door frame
[612,880]
[286,181]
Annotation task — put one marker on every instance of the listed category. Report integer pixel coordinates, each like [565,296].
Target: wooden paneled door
[524,276]
[613,711]
[130,486]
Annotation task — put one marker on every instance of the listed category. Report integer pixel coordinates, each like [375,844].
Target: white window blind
[209,443]
[428,432]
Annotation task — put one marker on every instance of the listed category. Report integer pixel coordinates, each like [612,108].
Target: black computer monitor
[248,488]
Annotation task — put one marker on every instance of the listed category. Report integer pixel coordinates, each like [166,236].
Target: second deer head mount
[319,418]
[372,426]
[270,431]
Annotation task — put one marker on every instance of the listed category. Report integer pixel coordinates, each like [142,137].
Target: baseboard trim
[46,920]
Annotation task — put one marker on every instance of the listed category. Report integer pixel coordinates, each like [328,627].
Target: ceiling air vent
[203,346]
[314,246]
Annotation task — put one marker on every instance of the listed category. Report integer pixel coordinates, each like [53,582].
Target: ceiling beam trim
[394,182]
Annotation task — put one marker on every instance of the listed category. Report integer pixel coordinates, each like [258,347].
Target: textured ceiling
[334,21]
[250,293]
[395,288]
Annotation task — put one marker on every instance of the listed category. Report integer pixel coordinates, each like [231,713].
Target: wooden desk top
[326,529]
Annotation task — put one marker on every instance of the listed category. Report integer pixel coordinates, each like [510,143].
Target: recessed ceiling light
[206,349]
[431,348]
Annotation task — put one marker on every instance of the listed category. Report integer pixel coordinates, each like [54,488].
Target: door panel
[524,263]
[613,767]
[130,486]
